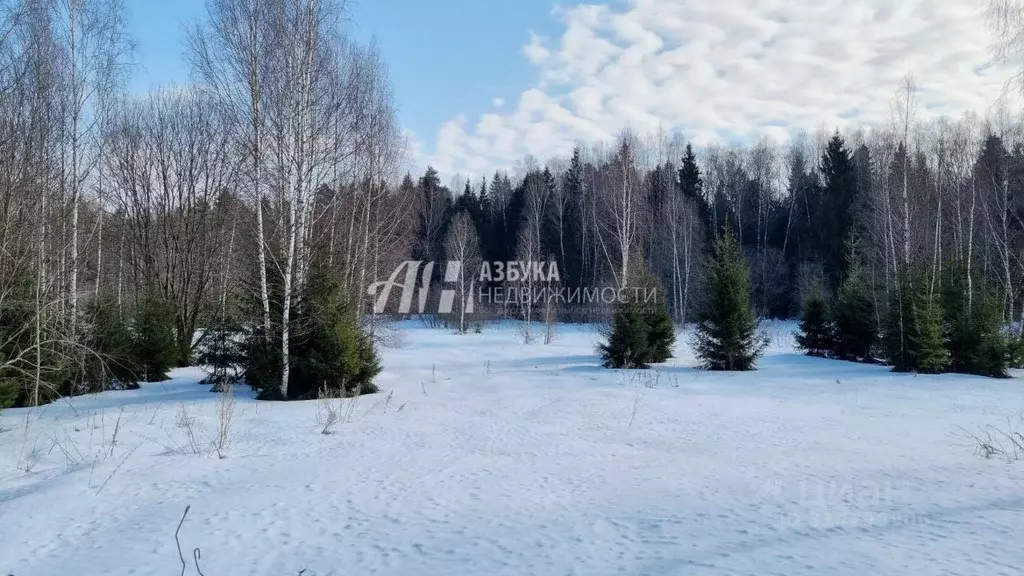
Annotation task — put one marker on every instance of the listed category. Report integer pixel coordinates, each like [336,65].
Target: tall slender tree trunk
[120,273]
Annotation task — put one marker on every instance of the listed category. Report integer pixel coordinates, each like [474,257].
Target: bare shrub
[116,469]
[995,442]
[386,402]
[67,446]
[27,462]
[385,333]
[328,410]
[525,330]
[117,429]
[188,423]
[225,412]
[550,315]
[351,405]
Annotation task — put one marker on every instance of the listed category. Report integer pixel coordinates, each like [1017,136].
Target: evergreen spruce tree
[926,336]
[973,327]
[572,236]
[834,212]
[855,329]
[113,363]
[727,336]
[626,345]
[223,351]
[661,332]
[642,332]
[915,333]
[995,352]
[154,346]
[10,391]
[482,219]
[334,353]
[330,354]
[1015,352]
[691,184]
[816,336]
[15,314]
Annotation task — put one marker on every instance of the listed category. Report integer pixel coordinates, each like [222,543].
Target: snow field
[492,457]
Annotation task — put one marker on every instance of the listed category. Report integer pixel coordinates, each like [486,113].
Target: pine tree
[727,336]
[1015,352]
[691,184]
[816,336]
[973,327]
[154,347]
[915,335]
[855,329]
[223,351]
[642,332]
[834,212]
[331,353]
[926,339]
[482,219]
[113,363]
[572,274]
[661,332]
[626,345]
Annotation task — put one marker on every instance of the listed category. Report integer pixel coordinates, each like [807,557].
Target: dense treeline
[901,244]
[925,195]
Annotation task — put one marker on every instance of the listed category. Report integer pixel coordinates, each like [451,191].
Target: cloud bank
[726,70]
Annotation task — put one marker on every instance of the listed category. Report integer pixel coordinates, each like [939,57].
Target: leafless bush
[225,412]
[328,410]
[27,461]
[385,333]
[386,402]
[351,405]
[995,442]
[117,429]
[650,378]
[115,470]
[434,321]
[72,455]
[188,424]
[525,331]
[550,314]
[155,412]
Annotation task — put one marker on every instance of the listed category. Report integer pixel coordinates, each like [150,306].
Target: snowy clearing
[497,458]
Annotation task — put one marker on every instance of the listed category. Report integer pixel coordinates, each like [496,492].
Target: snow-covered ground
[497,458]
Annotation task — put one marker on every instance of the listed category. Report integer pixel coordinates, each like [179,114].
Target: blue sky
[447,57]
[711,71]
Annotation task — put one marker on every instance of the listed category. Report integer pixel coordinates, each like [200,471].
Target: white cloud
[737,68]
[498,102]
[535,50]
